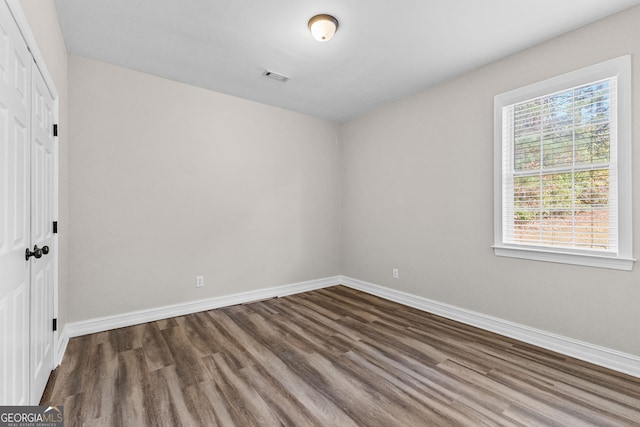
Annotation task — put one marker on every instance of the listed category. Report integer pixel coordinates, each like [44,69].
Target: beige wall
[169,181]
[418,196]
[43,21]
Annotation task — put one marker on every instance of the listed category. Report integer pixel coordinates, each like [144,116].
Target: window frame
[620,260]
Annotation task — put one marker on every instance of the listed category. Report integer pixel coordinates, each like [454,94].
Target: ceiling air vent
[275,76]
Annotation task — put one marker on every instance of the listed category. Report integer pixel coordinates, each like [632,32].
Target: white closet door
[15,101]
[42,158]
[26,221]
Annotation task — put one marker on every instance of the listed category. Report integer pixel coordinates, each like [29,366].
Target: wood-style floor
[332,357]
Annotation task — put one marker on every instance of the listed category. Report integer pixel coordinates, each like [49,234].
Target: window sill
[612,262]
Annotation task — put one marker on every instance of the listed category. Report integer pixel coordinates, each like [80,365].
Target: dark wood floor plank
[167,401]
[331,357]
[245,404]
[613,390]
[528,417]
[130,386]
[230,345]
[166,323]
[555,403]
[156,350]
[289,410]
[313,314]
[330,375]
[210,407]
[187,358]
[304,332]
[305,388]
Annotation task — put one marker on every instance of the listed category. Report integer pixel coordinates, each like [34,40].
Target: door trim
[23,25]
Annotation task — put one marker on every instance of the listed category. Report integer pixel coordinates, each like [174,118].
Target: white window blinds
[559,172]
[562,169]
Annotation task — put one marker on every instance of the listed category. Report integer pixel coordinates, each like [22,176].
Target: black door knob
[45,250]
[37,252]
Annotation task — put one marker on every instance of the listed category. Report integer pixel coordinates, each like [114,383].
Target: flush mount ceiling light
[323,27]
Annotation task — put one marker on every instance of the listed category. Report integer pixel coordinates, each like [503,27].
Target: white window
[563,168]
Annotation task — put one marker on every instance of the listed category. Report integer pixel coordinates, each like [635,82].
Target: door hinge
[55,325]
[55,227]
[55,130]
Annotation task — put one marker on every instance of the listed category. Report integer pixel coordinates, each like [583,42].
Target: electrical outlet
[395,273]
[199,281]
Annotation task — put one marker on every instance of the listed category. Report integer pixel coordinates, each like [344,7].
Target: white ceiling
[383,50]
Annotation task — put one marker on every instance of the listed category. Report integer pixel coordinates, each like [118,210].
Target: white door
[26,215]
[42,157]
[15,90]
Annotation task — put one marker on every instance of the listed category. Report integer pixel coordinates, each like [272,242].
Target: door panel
[42,153]
[15,88]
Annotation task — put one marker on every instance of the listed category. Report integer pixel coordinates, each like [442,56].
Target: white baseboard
[597,355]
[61,346]
[101,324]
